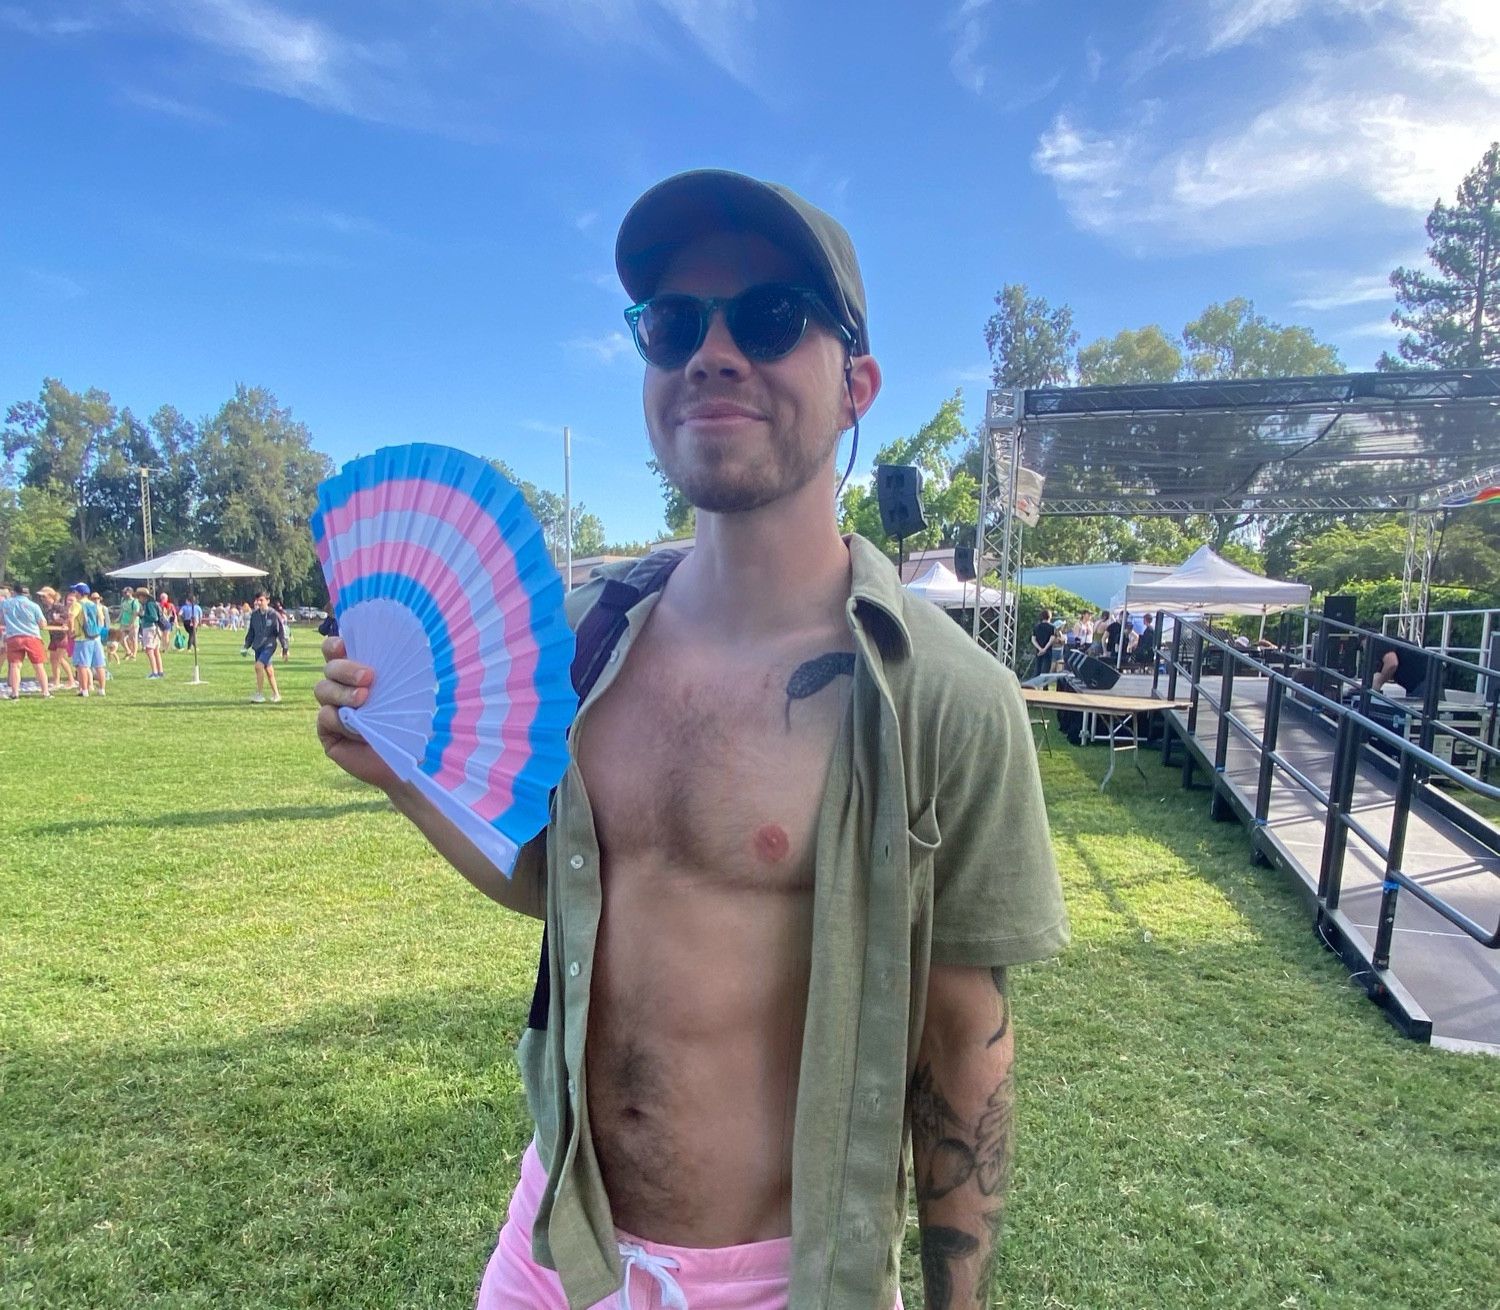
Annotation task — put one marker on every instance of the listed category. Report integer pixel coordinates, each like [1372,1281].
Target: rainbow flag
[1484,496]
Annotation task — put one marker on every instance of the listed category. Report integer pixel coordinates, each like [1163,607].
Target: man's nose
[717,354]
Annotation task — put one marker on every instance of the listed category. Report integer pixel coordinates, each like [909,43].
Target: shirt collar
[877,599]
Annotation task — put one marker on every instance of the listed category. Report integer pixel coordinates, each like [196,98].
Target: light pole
[568,506]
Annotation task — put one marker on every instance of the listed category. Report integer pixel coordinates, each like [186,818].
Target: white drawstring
[636,1256]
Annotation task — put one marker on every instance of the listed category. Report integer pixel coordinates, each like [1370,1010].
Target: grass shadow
[208,818]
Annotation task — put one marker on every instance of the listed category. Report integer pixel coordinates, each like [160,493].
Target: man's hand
[960,1100]
[345,684]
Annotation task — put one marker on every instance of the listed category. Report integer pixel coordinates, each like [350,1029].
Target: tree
[1145,355]
[588,532]
[1345,553]
[681,517]
[68,441]
[1030,343]
[1453,319]
[37,535]
[258,478]
[950,495]
[1233,341]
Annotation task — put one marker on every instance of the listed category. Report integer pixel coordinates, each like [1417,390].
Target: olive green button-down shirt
[931,847]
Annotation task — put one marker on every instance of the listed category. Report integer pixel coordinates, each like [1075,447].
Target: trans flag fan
[441,583]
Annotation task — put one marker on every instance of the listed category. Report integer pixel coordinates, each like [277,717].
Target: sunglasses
[767,323]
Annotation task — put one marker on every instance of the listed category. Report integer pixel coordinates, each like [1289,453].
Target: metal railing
[1443,620]
[1355,727]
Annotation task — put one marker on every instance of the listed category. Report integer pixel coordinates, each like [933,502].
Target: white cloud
[605,350]
[24,20]
[1392,118]
[1380,328]
[970,24]
[332,220]
[721,29]
[607,282]
[1335,290]
[160,104]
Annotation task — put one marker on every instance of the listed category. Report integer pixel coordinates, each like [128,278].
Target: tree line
[241,482]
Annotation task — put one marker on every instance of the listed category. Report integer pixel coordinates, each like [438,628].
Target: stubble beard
[708,483]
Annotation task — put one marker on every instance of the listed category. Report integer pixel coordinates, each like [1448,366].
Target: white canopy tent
[195,566]
[941,586]
[1209,584]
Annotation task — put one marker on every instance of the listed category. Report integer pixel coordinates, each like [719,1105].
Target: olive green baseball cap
[694,204]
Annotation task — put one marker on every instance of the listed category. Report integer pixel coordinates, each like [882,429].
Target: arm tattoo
[810,678]
[998,974]
[940,1248]
[992,1142]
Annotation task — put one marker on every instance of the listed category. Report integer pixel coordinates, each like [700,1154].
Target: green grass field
[255,1045]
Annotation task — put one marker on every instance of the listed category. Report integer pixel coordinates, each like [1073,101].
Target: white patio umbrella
[195,566]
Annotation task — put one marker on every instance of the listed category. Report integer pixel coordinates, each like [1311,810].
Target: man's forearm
[962,1097]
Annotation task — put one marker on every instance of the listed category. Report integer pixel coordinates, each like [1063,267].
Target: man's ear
[861,384]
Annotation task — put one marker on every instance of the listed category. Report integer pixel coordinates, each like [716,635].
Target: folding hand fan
[441,583]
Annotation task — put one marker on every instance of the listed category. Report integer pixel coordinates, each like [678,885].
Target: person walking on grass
[152,620]
[190,615]
[23,622]
[263,634]
[801,841]
[88,648]
[130,618]
[59,638]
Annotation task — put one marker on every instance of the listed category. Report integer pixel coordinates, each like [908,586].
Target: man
[23,621]
[813,839]
[1393,661]
[1145,645]
[89,626]
[263,634]
[191,614]
[1041,644]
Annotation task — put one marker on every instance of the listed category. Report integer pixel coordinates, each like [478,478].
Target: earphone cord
[854,446]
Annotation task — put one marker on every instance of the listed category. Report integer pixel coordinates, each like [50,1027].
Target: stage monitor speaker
[898,489]
[1094,673]
[1340,609]
[963,563]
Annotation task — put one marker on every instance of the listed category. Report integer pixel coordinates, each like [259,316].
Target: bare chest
[715,769]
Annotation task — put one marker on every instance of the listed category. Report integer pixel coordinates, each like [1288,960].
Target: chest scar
[771,843]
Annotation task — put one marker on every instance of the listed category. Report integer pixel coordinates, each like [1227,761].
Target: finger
[349,673]
[333,648]
[336,695]
[333,731]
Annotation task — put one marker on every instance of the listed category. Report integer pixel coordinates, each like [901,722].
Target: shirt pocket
[922,841]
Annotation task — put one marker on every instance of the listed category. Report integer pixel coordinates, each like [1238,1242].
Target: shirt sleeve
[996,895]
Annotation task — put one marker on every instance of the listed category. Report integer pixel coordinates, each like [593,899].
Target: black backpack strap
[598,634]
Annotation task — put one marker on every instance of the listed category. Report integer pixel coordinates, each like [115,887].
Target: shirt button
[576,861]
[572,1091]
[573,969]
[614,657]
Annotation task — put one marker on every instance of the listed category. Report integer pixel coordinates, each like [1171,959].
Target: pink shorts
[657,1276]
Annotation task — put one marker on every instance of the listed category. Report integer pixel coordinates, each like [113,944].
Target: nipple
[771,843]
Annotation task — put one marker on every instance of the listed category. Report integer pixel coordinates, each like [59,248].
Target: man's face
[733,434]
[260,602]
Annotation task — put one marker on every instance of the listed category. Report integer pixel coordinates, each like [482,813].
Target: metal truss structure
[998,533]
[1251,447]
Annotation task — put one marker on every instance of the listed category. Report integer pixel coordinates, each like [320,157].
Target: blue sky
[399,215]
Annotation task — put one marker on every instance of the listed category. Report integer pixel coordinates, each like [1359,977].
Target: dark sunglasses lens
[669,330]
[768,322]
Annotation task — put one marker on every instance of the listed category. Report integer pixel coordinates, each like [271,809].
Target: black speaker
[898,488]
[963,563]
[1340,609]
[1095,674]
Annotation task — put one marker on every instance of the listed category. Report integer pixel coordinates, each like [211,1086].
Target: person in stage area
[23,621]
[1396,662]
[801,842]
[263,635]
[1041,644]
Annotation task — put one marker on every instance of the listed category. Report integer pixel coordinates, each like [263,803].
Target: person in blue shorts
[263,635]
